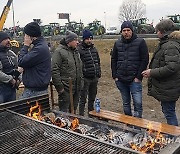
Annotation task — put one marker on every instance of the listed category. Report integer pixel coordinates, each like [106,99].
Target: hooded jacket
[164,81]
[66,64]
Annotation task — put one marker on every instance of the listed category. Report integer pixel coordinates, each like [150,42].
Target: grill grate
[22,135]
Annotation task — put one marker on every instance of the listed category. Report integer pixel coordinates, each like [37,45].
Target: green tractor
[176,19]
[79,28]
[141,27]
[96,28]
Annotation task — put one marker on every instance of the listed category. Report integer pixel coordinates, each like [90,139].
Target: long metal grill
[22,135]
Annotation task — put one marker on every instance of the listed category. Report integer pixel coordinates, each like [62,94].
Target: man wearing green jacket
[66,66]
[164,70]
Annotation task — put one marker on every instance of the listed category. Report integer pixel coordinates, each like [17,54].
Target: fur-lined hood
[175,35]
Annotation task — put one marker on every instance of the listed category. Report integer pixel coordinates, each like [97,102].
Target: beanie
[165,25]
[87,34]
[32,29]
[3,36]
[70,36]
[126,24]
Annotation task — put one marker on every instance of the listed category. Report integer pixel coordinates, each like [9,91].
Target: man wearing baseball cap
[35,59]
[129,59]
[8,69]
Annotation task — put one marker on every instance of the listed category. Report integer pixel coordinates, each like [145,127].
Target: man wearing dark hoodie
[66,66]
[164,70]
[35,59]
[8,70]
[129,58]
[91,71]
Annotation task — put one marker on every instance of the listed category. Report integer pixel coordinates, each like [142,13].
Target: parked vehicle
[142,27]
[112,31]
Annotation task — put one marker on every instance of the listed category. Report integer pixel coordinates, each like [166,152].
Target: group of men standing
[79,63]
[75,69]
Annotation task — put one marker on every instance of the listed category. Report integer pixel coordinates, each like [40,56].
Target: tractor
[176,19]
[141,27]
[96,28]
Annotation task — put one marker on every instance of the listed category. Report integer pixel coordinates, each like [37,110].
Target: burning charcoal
[47,120]
[177,139]
[82,129]
[103,137]
[51,116]
[68,123]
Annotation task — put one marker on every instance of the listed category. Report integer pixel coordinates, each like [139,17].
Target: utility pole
[105,19]
[14,26]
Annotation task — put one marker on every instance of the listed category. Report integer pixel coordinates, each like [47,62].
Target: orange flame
[35,111]
[151,142]
[74,123]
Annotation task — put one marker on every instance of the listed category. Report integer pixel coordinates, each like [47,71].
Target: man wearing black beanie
[35,59]
[129,59]
[8,69]
[91,71]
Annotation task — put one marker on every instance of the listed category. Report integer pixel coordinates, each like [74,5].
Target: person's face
[159,34]
[73,44]
[126,33]
[88,41]
[6,43]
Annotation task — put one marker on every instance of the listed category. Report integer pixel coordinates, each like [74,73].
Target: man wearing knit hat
[164,70]
[66,66]
[8,69]
[91,71]
[129,58]
[35,59]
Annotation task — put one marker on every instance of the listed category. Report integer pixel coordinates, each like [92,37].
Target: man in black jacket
[91,71]
[129,58]
[8,70]
[35,59]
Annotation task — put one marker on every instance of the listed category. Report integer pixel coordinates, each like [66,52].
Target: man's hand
[137,80]
[13,82]
[146,73]
[20,69]
[27,40]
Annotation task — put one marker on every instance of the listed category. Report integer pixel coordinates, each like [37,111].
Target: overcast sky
[86,11]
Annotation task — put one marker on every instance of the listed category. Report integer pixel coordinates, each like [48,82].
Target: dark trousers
[169,110]
[64,101]
[89,91]
[7,93]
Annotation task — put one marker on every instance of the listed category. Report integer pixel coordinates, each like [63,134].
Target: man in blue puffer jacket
[35,59]
[129,58]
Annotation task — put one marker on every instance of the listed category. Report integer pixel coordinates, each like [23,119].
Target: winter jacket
[164,81]
[66,64]
[8,63]
[129,58]
[36,63]
[91,61]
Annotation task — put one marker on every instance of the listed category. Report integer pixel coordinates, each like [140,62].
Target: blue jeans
[128,89]
[30,93]
[7,93]
[168,108]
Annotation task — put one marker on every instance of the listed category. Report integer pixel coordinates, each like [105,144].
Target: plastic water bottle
[97,105]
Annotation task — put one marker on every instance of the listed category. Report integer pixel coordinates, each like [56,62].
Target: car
[112,31]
